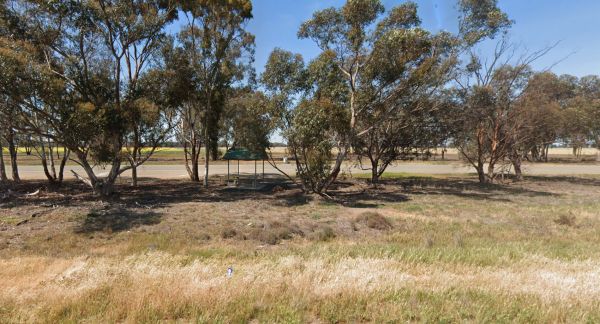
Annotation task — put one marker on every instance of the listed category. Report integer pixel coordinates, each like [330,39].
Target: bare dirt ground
[419,248]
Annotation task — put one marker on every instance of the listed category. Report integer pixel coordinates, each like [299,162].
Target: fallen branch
[35,193]
[143,206]
[82,179]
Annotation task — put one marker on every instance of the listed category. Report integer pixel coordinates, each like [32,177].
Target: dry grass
[162,286]
[422,249]
[374,220]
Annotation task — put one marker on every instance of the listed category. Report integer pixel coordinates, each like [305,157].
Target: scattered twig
[33,194]
[143,206]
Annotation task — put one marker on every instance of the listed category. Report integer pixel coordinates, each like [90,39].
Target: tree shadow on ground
[577,180]
[132,207]
[41,193]
[116,220]
[151,192]
[400,190]
[166,192]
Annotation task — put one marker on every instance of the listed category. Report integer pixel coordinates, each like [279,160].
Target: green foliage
[250,121]
[481,19]
[217,53]
[317,126]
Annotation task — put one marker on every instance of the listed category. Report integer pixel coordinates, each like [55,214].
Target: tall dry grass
[160,286]
[452,252]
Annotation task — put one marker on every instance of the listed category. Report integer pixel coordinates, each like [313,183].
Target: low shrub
[228,233]
[324,234]
[566,220]
[374,220]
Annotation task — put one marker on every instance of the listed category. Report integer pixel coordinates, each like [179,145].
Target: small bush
[375,221]
[228,233]
[264,236]
[275,232]
[428,241]
[203,237]
[458,240]
[324,234]
[565,220]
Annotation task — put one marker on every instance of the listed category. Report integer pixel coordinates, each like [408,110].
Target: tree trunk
[191,157]
[374,173]
[106,186]
[516,162]
[206,156]
[535,156]
[134,177]
[3,176]
[207,140]
[51,153]
[481,173]
[43,157]
[12,149]
[335,171]
[214,149]
[196,169]
[491,172]
[63,162]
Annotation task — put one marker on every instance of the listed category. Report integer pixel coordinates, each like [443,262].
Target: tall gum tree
[343,32]
[99,50]
[406,69]
[219,52]
[386,61]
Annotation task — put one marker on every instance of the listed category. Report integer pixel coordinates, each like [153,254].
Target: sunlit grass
[453,254]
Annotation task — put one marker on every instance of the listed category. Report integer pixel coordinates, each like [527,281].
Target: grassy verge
[424,249]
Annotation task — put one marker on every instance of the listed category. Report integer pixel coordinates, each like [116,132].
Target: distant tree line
[109,82]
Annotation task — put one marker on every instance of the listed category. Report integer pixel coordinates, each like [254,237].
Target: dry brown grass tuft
[228,233]
[374,220]
[566,220]
[274,232]
[323,233]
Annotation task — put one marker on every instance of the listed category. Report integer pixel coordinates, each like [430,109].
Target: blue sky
[538,23]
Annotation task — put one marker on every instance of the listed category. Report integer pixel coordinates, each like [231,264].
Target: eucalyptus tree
[320,125]
[589,90]
[285,81]
[344,35]
[407,68]
[385,62]
[488,124]
[12,39]
[219,53]
[8,133]
[95,53]
[250,121]
[151,118]
[540,111]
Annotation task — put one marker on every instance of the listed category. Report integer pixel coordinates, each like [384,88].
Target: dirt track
[178,171]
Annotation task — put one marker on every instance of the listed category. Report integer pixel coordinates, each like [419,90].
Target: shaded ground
[32,209]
